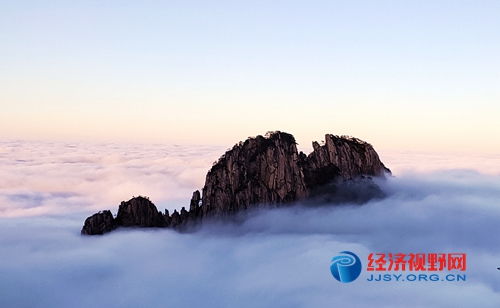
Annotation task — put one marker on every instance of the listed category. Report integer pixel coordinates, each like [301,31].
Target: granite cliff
[261,171]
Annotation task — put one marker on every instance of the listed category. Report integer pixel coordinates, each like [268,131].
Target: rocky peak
[195,201]
[139,212]
[261,171]
[343,158]
[99,223]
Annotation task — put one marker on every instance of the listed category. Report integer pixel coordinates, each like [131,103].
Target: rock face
[139,212]
[99,223]
[258,171]
[341,158]
[261,171]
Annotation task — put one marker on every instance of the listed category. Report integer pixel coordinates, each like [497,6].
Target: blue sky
[401,74]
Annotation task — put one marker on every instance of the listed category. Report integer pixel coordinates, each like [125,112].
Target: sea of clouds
[276,258]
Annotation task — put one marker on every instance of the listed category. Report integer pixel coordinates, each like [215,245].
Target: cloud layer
[276,258]
[42,178]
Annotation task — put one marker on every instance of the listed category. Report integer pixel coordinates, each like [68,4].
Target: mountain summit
[261,171]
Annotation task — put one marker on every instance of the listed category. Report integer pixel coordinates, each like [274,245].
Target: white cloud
[40,178]
[275,258]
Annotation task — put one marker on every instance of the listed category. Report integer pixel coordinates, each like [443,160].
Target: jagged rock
[99,223]
[139,212]
[195,201]
[184,213]
[175,219]
[268,170]
[343,158]
[167,218]
[263,171]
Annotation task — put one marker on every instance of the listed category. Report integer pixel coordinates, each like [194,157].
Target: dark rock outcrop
[99,223]
[261,171]
[139,212]
[343,158]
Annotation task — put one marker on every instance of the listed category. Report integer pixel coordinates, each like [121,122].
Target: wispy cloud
[40,178]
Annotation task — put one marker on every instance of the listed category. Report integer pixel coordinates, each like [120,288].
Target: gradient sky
[416,75]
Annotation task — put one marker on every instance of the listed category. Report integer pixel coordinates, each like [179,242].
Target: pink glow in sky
[419,76]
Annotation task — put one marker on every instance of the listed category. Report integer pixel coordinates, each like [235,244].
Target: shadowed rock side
[99,223]
[139,212]
[259,171]
[343,158]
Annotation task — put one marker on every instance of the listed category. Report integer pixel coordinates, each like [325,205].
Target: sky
[403,75]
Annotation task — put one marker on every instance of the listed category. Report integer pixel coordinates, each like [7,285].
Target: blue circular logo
[345,267]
